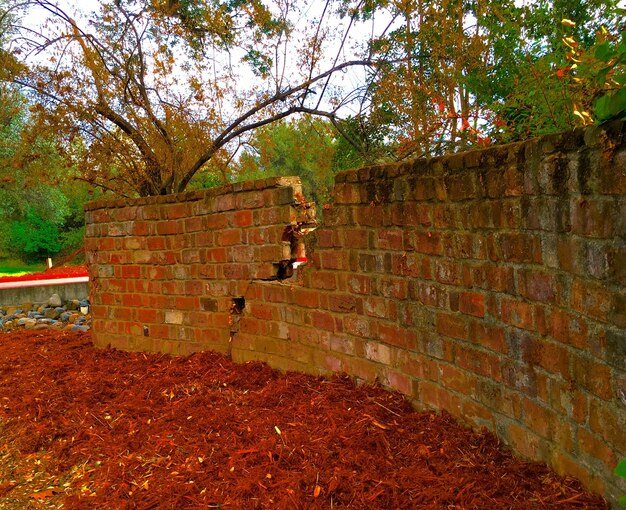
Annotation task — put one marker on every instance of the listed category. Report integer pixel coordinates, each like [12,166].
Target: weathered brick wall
[490,284]
[167,273]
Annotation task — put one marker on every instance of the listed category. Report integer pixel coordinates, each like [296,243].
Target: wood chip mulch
[82,428]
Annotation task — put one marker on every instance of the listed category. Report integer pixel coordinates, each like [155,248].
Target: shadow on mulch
[86,428]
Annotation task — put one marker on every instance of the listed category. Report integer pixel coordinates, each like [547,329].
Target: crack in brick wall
[490,284]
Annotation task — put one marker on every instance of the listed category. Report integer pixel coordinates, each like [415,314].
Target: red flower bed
[50,274]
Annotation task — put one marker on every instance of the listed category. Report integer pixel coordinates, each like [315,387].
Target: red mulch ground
[86,428]
[50,274]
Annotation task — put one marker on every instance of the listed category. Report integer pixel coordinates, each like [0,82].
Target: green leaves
[612,105]
[620,470]
[35,238]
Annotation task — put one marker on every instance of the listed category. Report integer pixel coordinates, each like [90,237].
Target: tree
[39,196]
[34,238]
[304,147]
[466,73]
[155,89]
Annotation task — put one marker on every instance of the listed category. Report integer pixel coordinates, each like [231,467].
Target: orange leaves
[44,494]
[564,71]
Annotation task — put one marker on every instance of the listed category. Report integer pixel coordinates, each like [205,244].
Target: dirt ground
[82,428]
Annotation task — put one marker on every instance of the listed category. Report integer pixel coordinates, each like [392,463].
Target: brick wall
[490,284]
[168,273]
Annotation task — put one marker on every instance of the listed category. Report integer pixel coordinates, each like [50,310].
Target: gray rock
[40,327]
[30,323]
[73,304]
[55,300]
[77,327]
[52,313]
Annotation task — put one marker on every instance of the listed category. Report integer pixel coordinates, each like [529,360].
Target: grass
[11,267]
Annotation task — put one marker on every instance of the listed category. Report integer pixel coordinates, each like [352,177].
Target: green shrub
[34,238]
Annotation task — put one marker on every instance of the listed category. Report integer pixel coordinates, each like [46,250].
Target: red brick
[428,242]
[538,286]
[591,299]
[476,412]
[432,295]
[539,418]
[342,344]
[140,228]
[593,218]
[520,248]
[447,271]
[155,243]
[343,303]
[236,271]
[517,313]
[168,228]
[323,280]
[394,335]
[596,447]
[568,328]
[435,396]
[375,307]
[607,423]
[478,362]
[564,464]
[325,238]
[393,287]
[176,211]
[306,298]
[323,320]
[194,224]
[390,239]
[358,326]
[187,303]
[131,272]
[370,216]
[132,300]
[486,335]
[523,441]
[147,315]
[452,325]
[454,378]
[552,357]
[333,260]
[356,239]
[472,303]
[400,382]
[262,311]
[216,221]
[243,218]
[229,237]
[593,376]
[253,326]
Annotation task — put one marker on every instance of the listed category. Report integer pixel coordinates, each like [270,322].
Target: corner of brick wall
[164,271]
[490,284]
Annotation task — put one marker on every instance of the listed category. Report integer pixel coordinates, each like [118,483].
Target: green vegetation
[13,267]
[620,471]
[41,202]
